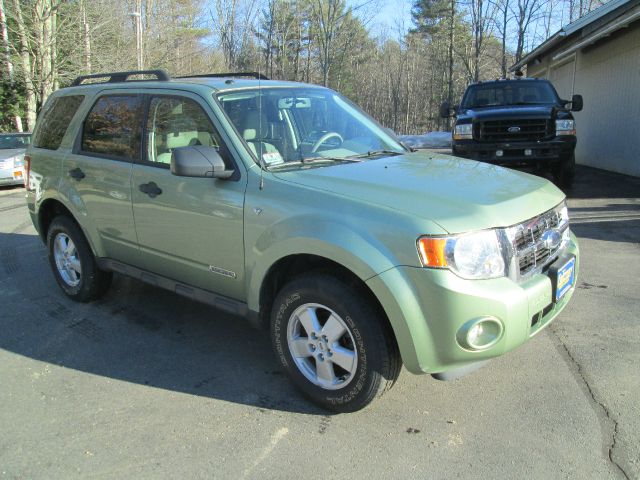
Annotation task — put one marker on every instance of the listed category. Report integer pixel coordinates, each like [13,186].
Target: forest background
[398,61]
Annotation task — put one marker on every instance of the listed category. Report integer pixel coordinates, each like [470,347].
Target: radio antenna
[263,165]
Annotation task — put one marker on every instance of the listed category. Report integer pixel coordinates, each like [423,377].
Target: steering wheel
[324,138]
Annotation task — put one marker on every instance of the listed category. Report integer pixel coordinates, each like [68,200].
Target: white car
[12,148]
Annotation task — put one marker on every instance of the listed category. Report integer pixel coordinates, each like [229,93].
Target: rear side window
[112,128]
[55,120]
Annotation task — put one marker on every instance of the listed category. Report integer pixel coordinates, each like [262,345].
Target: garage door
[562,78]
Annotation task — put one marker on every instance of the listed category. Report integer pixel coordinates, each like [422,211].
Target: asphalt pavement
[147,384]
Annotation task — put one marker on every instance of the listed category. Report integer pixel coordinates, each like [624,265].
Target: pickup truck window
[511,93]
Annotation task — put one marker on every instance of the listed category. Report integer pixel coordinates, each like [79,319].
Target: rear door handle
[77,174]
[151,189]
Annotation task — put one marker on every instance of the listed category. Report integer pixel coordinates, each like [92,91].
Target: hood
[512,111]
[11,152]
[460,195]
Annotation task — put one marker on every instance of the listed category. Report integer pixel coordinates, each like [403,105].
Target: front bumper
[427,307]
[542,154]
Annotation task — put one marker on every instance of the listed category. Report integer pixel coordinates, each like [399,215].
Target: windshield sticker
[272,158]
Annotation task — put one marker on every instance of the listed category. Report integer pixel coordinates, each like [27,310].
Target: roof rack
[256,75]
[116,77]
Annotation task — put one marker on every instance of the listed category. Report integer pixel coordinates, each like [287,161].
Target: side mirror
[445,110]
[576,103]
[198,161]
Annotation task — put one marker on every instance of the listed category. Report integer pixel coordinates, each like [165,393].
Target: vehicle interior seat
[181,133]
[255,131]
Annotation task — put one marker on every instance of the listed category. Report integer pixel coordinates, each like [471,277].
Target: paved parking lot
[146,384]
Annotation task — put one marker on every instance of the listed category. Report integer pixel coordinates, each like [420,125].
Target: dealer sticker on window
[566,278]
[272,158]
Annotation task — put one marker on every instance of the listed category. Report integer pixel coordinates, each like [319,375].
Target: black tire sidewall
[84,290]
[363,325]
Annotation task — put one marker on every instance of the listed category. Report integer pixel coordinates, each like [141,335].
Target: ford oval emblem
[551,238]
[513,129]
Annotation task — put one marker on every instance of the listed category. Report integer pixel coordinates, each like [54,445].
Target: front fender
[360,252]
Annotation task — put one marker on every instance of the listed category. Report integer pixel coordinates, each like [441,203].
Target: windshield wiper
[308,160]
[312,160]
[526,103]
[373,153]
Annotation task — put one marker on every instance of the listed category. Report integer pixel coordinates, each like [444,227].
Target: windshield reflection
[316,126]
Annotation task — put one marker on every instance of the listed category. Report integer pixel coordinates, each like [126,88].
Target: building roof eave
[547,44]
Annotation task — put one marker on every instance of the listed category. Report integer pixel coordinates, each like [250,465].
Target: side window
[175,122]
[112,128]
[55,120]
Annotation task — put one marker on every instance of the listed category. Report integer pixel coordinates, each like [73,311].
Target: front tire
[566,172]
[334,345]
[72,261]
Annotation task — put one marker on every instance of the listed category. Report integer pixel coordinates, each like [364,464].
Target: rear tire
[73,263]
[334,345]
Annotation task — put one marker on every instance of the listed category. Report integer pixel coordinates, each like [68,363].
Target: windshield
[14,141]
[285,125]
[509,93]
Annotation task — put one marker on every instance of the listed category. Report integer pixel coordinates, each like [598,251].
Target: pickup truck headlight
[565,127]
[463,132]
[472,256]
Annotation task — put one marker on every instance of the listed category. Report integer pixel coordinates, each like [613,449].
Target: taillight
[27,170]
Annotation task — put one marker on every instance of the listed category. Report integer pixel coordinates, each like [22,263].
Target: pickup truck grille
[525,130]
[531,252]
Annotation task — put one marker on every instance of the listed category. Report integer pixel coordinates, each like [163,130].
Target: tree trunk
[505,21]
[44,46]
[8,65]
[25,63]
[451,40]
[86,40]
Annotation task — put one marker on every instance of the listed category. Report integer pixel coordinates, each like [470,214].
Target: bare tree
[526,12]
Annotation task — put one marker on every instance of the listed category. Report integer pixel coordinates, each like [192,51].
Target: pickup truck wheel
[73,264]
[332,343]
[566,172]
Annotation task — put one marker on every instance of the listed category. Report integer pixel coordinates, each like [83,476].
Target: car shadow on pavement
[138,333]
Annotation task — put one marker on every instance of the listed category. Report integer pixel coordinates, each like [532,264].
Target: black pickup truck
[520,123]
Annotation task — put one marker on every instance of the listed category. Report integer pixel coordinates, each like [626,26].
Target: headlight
[463,132]
[472,256]
[565,127]
[18,161]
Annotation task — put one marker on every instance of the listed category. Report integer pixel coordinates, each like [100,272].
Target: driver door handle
[151,189]
[77,174]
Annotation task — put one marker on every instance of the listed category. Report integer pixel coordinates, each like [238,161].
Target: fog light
[499,153]
[528,152]
[480,334]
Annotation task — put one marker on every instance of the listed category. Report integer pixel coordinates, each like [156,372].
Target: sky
[391,17]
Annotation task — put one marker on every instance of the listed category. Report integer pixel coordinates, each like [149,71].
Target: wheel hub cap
[322,346]
[67,261]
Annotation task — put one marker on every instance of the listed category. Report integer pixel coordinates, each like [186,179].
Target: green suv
[286,204]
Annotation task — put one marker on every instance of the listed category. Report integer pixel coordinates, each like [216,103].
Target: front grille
[530,250]
[524,130]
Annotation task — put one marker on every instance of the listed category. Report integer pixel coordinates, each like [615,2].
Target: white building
[598,56]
